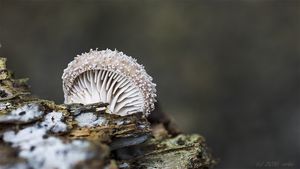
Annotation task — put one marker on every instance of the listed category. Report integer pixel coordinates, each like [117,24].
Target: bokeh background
[229,70]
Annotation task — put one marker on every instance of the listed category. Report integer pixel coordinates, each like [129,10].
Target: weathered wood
[29,124]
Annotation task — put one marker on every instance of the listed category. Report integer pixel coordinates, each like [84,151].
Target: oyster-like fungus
[110,77]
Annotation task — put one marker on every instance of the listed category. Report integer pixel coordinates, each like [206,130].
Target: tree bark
[132,141]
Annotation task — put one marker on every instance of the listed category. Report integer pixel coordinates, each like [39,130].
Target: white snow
[23,114]
[48,152]
[45,153]
[5,105]
[53,122]
[89,120]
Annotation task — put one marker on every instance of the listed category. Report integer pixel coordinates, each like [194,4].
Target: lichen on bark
[38,133]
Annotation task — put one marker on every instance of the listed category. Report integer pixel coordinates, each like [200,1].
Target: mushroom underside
[94,86]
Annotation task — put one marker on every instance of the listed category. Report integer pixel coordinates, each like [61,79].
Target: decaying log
[37,133]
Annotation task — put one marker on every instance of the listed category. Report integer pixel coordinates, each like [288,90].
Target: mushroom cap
[110,77]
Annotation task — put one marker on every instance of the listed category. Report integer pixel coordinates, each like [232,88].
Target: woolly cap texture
[110,77]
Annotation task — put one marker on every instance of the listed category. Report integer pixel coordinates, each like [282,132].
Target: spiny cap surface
[110,77]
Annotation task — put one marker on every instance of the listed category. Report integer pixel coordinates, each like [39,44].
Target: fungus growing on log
[39,134]
[110,77]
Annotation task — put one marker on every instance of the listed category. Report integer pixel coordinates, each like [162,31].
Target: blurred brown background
[229,70]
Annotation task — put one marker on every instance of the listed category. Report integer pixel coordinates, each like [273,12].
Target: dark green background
[229,70]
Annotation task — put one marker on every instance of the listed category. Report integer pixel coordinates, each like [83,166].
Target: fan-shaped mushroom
[110,77]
